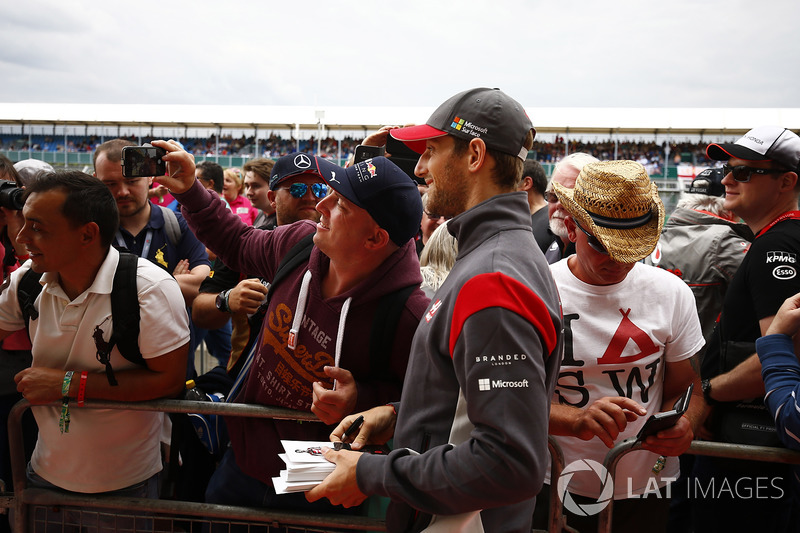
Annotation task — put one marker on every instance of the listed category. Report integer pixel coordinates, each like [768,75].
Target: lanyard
[795,215]
[147,240]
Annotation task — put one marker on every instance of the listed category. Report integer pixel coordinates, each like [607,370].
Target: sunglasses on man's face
[743,173]
[550,197]
[298,190]
[593,241]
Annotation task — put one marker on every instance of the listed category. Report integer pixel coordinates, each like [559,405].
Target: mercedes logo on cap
[302,161]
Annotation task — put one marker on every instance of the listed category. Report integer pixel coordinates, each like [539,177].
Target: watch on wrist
[705,385]
[222,301]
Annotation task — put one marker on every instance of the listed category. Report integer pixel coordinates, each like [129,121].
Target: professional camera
[11,195]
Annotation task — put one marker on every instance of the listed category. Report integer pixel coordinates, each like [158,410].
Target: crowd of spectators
[647,152]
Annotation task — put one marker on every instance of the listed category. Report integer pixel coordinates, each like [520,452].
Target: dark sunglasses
[593,242]
[550,197]
[298,190]
[743,173]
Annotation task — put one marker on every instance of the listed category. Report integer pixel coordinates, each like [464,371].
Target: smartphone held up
[143,161]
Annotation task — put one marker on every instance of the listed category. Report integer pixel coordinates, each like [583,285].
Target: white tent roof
[545,119]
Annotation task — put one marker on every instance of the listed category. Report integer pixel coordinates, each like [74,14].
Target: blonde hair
[438,257]
[235,174]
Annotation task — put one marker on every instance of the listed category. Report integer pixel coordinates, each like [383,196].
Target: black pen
[354,427]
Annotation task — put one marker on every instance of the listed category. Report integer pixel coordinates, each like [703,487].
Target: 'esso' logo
[784,272]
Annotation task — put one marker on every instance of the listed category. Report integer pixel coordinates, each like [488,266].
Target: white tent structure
[677,121]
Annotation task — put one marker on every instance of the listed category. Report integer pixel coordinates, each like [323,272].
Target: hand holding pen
[351,430]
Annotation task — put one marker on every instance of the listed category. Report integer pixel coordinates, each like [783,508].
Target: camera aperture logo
[587,509]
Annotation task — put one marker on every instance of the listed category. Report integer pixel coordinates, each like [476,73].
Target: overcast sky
[559,53]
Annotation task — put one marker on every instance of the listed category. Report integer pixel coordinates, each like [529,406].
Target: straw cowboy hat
[617,202]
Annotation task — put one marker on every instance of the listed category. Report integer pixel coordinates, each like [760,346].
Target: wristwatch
[705,385]
[222,301]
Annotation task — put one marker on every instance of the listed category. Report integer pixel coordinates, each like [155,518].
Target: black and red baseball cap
[488,114]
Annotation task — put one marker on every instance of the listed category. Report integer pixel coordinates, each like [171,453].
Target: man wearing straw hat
[630,332]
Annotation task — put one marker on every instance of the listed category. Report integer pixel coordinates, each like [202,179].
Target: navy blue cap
[383,190]
[293,165]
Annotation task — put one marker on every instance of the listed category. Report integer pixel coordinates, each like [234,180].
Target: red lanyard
[787,215]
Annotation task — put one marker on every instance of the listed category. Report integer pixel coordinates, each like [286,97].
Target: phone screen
[143,161]
[363,153]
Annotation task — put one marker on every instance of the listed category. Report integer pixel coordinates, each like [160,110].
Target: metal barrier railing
[24,497]
[697,447]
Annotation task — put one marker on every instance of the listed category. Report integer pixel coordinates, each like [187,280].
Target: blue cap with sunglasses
[764,143]
[383,190]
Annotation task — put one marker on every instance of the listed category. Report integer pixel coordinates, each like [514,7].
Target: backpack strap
[28,290]
[384,329]
[296,255]
[171,225]
[125,316]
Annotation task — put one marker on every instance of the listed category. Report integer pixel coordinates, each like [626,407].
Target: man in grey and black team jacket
[470,432]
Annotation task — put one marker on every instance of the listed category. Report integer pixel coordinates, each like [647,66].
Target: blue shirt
[160,250]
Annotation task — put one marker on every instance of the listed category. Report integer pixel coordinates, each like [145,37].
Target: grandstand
[661,138]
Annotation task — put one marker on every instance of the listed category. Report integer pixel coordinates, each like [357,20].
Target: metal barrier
[712,449]
[171,515]
[168,515]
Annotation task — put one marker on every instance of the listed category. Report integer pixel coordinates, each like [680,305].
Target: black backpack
[124,312]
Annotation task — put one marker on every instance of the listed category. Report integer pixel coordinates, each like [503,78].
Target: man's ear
[525,184]
[271,198]
[476,154]
[90,232]
[789,180]
[572,229]
[378,239]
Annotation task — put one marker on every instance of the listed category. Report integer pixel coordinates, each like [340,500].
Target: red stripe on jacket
[498,290]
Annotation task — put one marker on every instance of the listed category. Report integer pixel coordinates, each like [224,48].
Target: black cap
[708,182]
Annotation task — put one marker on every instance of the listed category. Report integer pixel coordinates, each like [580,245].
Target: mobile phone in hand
[667,419]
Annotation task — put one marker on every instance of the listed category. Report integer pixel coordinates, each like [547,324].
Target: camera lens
[11,195]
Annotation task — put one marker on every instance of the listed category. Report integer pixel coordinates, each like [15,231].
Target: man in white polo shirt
[70,220]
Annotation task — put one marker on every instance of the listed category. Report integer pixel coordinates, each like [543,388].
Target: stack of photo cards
[305,466]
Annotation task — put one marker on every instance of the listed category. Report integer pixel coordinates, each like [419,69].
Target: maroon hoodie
[280,376]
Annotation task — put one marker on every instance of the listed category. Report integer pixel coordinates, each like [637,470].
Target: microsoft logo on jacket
[488,384]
